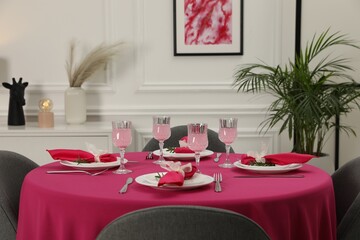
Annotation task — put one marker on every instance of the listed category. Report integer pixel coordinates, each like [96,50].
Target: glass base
[226,165]
[159,161]
[122,171]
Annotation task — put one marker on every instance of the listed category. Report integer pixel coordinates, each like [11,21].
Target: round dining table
[78,206]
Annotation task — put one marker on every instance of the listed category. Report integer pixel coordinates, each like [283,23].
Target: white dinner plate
[182,156]
[269,169]
[198,180]
[90,166]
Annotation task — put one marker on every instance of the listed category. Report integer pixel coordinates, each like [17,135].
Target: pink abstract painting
[208,22]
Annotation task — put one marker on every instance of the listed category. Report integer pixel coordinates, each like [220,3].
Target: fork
[78,171]
[218,179]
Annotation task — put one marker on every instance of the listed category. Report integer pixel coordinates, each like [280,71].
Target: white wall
[147,79]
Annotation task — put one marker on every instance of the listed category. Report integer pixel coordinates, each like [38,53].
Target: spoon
[217,158]
[149,155]
[125,187]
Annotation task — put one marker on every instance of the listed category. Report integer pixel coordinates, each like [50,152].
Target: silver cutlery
[149,155]
[218,179]
[77,171]
[125,187]
[270,176]
[217,158]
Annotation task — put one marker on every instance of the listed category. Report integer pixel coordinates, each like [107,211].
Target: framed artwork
[208,27]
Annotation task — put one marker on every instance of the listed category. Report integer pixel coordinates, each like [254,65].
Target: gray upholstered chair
[349,227]
[13,169]
[178,132]
[182,222]
[346,181]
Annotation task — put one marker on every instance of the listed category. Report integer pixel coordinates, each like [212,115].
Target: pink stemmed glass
[161,132]
[197,140]
[121,136]
[227,135]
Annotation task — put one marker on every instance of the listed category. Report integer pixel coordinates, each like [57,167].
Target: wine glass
[227,135]
[197,140]
[121,136]
[161,132]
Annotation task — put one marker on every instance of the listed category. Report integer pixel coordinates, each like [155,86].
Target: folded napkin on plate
[76,155]
[177,173]
[183,146]
[278,158]
[183,150]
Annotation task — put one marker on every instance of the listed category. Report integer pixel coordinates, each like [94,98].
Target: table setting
[193,146]
[291,188]
[168,180]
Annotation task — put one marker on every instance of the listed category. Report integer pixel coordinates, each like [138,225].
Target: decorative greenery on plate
[158,176]
[255,163]
[81,160]
[171,149]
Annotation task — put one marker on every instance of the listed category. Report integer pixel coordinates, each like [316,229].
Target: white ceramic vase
[75,105]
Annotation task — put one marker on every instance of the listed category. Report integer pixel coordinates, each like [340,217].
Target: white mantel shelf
[32,128]
[32,141]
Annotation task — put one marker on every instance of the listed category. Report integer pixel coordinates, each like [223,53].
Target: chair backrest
[182,222]
[13,169]
[346,181]
[178,132]
[349,227]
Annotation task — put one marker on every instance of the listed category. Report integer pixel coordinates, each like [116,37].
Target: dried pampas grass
[93,61]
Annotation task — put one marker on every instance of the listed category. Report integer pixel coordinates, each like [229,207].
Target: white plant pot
[325,163]
[75,105]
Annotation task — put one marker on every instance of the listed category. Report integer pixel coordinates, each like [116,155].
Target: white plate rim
[269,169]
[90,166]
[183,156]
[205,180]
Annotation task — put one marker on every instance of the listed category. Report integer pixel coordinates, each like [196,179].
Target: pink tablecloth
[78,206]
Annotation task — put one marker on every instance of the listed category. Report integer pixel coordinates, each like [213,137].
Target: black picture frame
[235,47]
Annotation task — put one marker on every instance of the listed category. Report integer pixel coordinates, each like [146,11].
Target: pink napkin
[177,173]
[183,150]
[281,158]
[75,155]
[183,146]
[173,177]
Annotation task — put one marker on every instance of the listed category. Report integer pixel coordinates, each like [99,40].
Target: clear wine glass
[197,140]
[121,136]
[227,134]
[161,132]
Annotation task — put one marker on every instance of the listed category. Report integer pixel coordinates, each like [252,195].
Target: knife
[125,187]
[270,176]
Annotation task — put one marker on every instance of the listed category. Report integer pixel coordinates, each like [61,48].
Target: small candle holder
[45,116]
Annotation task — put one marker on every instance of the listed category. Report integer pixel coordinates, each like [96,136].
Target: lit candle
[45,116]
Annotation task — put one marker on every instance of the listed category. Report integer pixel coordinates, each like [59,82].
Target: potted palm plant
[308,92]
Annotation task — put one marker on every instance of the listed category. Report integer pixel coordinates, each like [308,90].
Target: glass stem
[122,155]
[227,148]
[197,161]
[161,145]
